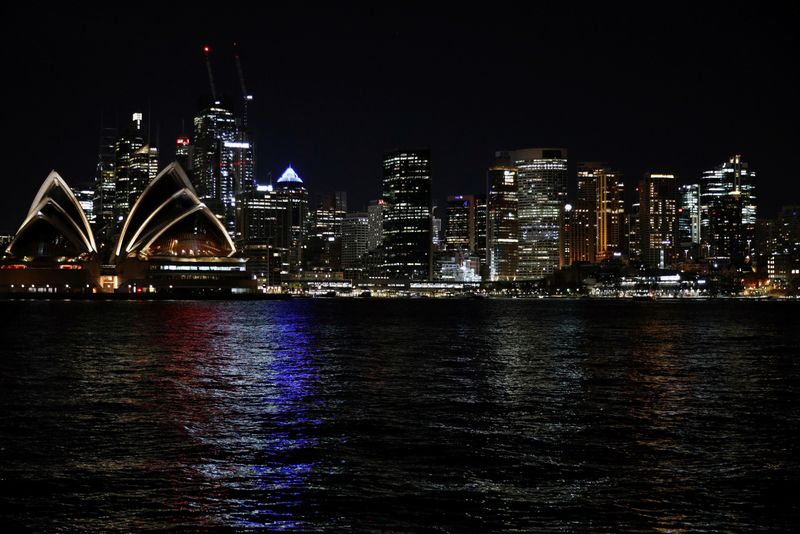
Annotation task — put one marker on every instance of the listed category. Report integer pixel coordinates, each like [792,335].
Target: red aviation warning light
[206,49]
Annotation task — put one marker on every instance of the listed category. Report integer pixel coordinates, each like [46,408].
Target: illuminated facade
[222,162]
[262,217]
[183,152]
[579,233]
[324,247]
[601,191]
[480,230]
[85,198]
[689,220]
[290,187]
[355,238]
[726,232]
[407,215]
[658,221]
[542,181]
[502,224]
[460,235]
[632,245]
[142,169]
[375,215]
[105,187]
[733,176]
[125,192]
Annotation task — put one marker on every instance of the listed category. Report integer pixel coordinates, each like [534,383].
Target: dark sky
[668,86]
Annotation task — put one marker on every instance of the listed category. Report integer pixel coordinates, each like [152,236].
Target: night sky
[672,87]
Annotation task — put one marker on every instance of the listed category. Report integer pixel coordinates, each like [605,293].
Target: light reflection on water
[400,415]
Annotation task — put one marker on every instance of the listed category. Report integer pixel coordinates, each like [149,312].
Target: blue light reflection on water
[290,378]
[400,415]
[251,402]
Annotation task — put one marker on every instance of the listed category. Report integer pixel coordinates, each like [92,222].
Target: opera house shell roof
[169,220]
[55,227]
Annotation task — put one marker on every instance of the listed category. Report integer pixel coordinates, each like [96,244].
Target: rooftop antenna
[207,53]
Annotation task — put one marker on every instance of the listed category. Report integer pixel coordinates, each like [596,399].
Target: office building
[125,188]
[542,183]
[502,224]
[601,192]
[355,238]
[460,235]
[105,189]
[407,215]
[658,223]
[733,176]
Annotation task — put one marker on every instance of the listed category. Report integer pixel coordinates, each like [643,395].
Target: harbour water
[400,415]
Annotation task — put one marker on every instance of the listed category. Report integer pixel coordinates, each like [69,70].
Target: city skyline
[334,122]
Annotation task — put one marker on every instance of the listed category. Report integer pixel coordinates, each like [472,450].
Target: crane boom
[207,53]
[246,97]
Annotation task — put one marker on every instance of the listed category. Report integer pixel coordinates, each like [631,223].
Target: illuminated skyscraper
[355,235]
[262,215]
[375,215]
[407,215]
[601,192]
[85,198]
[183,149]
[632,245]
[658,223]
[221,161]
[579,237]
[104,188]
[290,187]
[542,181]
[726,233]
[142,168]
[125,192]
[502,224]
[715,186]
[481,213]
[460,234]
[689,220]
[324,250]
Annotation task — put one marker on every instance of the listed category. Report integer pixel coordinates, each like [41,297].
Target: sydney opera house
[170,242]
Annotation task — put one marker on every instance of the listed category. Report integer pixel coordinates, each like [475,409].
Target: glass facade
[502,224]
[602,193]
[542,181]
[460,235]
[658,222]
[407,215]
[716,184]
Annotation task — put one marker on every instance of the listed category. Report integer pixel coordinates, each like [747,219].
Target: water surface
[409,415]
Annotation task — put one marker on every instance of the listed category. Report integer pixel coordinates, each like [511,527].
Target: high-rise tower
[601,192]
[502,224]
[407,215]
[126,188]
[105,188]
[542,182]
[658,222]
[722,189]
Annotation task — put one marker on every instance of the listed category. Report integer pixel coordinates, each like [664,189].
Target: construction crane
[207,53]
[246,97]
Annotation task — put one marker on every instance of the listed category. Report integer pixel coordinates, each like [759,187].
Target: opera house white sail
[169,220]
[170,242]
[55,227]
[54,250]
